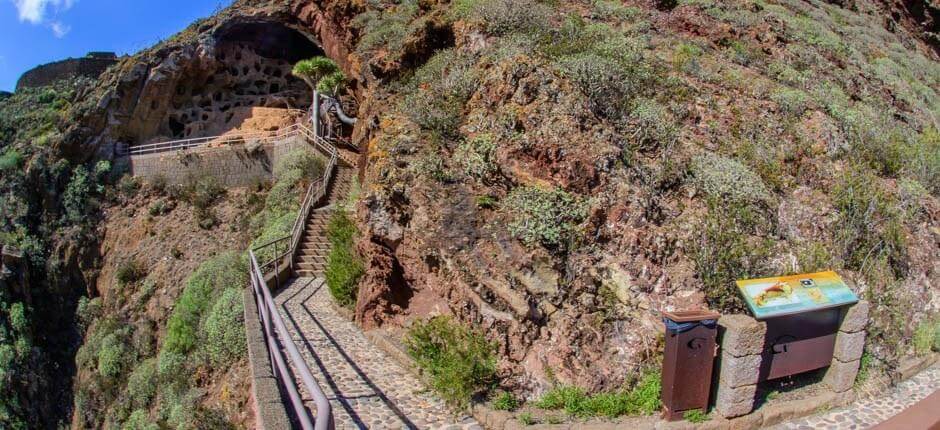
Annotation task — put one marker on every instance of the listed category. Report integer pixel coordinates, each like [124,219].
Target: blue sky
[34,32]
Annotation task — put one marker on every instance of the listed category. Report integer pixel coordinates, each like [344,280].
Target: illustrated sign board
[788,295]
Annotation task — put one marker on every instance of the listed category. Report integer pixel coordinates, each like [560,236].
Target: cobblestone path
[366,387]
[866,413]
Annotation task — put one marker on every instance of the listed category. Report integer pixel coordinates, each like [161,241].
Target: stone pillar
[742,341]
[850,344]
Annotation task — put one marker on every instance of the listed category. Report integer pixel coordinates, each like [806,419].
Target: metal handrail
[226,139]
[274,329]
[267,308]
[315,192]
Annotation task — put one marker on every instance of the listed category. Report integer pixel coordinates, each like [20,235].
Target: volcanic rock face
[193,84]
[232,68]
[588,316]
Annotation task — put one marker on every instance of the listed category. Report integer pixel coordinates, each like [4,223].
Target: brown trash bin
[688,361]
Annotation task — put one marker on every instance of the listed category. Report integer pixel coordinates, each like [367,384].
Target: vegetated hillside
[154,252]
[554,173]
[567,169]
[49,209]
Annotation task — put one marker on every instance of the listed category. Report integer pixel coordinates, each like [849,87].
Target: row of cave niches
[208,105]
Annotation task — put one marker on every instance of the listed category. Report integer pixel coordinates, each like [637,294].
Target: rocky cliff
[558,174]
[561,173]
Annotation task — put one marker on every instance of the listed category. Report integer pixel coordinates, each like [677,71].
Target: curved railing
[214,141]
[272,323]
[314,194]
[282,252]
[274,328]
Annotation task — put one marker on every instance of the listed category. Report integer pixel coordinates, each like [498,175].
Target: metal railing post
[316,112]
[277,271]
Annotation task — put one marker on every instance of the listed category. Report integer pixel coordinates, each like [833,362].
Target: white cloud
[59,29]
[34,11]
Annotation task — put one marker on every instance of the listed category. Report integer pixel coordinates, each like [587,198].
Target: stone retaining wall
[743,341]
[270,413]
[233,166]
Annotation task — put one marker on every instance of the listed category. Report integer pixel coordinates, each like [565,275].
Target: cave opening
[269,40]
[251,72]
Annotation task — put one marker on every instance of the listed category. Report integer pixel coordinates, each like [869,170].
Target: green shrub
[142,384]
[614,10]
[608,67]
[696,416]
[274,228]
[77,198]
[728,250]
[486,202]
[113,356]
[139,420]
[869,227]
[814,257]
[11,159]
[439,90]
[459,361]
[642,399]
[925,160]
[656,126]
[343,266]
[225,329]
[925,336]
[19,322]
[227,270]
[500,17]
[505,401]
[686,56]
[600,79]
[88,310]
[387,28]
[431,165]
[936,338]
[721,177]
[170,366]
[182,410]
[130,271]
[299,165]
[790,101]
[441,113]
[549,217]
[741,53]
[202,193]
[875,139]
[526,419]
[159,207]
[478,157]
[128,186]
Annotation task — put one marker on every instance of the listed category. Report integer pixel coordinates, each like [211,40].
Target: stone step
[304,273]
[321,260]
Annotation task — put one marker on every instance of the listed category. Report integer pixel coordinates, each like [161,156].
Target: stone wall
[743,341]
[270,412]
[90,67]
[233,166]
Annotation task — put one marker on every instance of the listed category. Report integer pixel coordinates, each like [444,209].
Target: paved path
[866,413]
[366,387]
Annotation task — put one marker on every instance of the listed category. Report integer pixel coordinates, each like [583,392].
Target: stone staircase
[314,246]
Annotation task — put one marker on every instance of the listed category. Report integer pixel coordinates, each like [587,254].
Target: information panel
[787,295]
